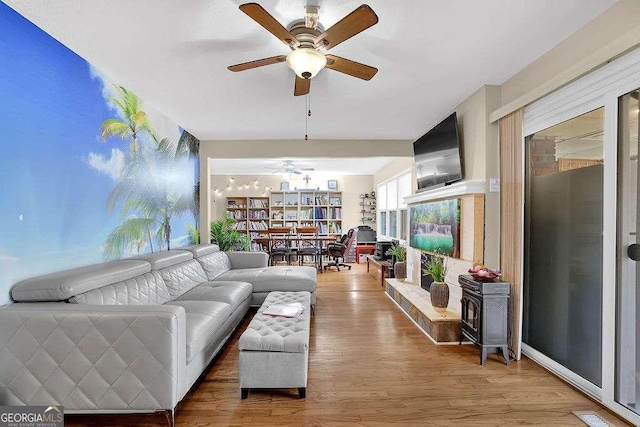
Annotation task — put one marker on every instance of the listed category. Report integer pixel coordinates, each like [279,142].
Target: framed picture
[284,186]
[332,184]
[435,227]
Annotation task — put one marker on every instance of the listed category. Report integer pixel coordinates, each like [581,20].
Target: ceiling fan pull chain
[306,119]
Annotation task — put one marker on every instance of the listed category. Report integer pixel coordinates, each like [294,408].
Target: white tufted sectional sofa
[130,335]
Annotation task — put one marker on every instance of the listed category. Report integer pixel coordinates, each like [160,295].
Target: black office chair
[335,251]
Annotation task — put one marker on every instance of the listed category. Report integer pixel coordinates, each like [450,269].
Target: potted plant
[399,252]
[436,266]
[224,235]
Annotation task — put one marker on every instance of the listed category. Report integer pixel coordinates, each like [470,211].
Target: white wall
[396,167]
[612,33]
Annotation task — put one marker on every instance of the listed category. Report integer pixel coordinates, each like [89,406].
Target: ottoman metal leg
[302,392]
[244,392]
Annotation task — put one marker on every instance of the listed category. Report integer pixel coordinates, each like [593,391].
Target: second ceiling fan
[308,43]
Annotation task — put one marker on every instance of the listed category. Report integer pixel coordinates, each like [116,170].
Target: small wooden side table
[385,267]
[361,248]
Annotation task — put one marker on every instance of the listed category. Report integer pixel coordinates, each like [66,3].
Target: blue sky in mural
[55,173]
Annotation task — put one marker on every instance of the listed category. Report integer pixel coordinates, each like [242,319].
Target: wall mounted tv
[437,155]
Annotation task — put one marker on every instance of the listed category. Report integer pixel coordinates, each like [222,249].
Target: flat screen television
[437,155]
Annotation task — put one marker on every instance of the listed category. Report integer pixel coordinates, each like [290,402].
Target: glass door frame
[600,88]
[610,273]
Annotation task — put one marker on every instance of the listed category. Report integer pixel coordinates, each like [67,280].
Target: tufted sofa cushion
[232,293]
[183,277]
[65,284]
[214,264]
[146,289]
[204,319]
[279,334]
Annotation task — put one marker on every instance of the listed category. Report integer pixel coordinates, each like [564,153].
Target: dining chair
[308,245]
[279,244]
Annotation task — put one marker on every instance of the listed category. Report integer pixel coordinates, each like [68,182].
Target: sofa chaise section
[252,267]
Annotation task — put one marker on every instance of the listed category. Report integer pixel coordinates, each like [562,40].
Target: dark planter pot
[439,296]
[400,271]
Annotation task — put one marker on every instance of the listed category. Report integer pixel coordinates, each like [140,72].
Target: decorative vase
[439,296]
[400,271]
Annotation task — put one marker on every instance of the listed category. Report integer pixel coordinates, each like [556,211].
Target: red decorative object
[484,274]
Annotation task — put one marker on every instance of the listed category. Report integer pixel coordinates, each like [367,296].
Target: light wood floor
[370,365]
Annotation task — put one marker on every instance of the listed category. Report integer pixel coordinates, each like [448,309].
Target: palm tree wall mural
[151,191]
[89,171]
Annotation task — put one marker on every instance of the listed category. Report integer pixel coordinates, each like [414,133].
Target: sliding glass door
[581,255]
[627,383]
[562,298]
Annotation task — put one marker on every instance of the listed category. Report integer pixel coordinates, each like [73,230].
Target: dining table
[294,238]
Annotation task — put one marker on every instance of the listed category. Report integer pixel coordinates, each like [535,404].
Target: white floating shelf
[462,188]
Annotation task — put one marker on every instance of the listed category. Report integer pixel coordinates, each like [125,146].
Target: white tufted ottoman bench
[274,351]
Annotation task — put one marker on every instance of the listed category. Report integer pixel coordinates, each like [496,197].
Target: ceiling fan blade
[302,86]
[297,172]
[352,68]
[352,24]
[306,169]
[264,18]
[257,63]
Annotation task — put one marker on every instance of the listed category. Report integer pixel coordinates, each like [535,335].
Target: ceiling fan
[308,42]
[289,168]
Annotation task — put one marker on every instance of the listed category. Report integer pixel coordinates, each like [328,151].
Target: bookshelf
[307,208]
[251,216]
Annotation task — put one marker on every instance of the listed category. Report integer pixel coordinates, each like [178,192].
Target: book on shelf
[293,309]
[320,213]
[256,247]
[258,214]
[236,215]
[321,200]
[258,225]
[240,226]
[258,203]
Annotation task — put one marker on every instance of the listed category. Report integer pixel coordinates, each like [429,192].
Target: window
[383,223]
[381,202]
[392,211]
[393,223]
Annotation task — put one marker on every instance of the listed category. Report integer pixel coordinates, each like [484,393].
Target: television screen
[437,155]
[435,227]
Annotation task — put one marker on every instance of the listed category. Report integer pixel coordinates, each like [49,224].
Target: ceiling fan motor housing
[306,61]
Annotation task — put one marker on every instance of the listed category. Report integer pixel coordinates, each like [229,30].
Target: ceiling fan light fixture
[306,62]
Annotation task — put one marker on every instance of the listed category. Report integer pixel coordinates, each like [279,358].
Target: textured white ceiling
[344,166]
[431,55]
